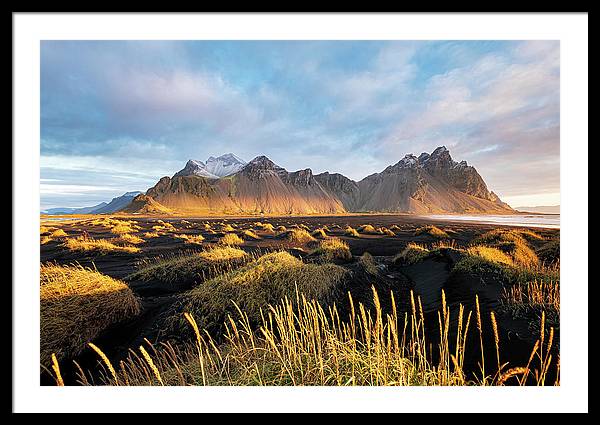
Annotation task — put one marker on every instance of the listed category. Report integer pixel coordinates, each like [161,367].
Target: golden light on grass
[333,249]
[349,231]
[298,236]
[85,243]
[76,304]
[106,362]
[189,267]
[299,342]
[387,231]
[128,238]
[490,254]
[259,283]
[319,233]
[368,229]
[433,231]
[512,243]
[56,369]
[231,239]
[249,234]
[153,367]
[46,229]
[267,227]
[58,233]
[411,254]
[228,228]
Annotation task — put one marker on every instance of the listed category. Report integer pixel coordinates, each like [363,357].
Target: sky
[118,115]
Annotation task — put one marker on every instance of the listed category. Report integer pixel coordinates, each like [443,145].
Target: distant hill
[430,183]
[83,210]
[117,203]
[551,209]
[114,205]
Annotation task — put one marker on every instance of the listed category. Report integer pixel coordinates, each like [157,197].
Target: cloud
[139,110]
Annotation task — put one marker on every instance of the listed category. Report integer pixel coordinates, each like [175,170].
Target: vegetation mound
[333,249]
[260,283]
[432,231]
[76,305]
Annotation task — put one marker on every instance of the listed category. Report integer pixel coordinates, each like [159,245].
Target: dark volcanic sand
[426,279]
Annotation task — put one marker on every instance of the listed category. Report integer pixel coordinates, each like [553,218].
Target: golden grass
[188,268]
[386,231]
[231,239]
[369,229]
[195,239]
[267,227]
[535,293]
[121,229]
[128,238]
[333,249]
[190,239]
[433,231]
[76,305]
[222,253]
[411,254]
[45,239]
[490,254]
[46,229]
[395,228]
[280,229]
[300,343]
[319,233]
[249,234]
[163,226]
[512,243]
[227,228]
[58,233]
[254,286]
[85,243]
[150,235]
[349,231]
[298,236]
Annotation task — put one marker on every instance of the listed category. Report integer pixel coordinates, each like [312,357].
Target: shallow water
[550,221]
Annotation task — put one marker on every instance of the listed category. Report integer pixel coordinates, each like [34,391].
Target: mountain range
[429,183]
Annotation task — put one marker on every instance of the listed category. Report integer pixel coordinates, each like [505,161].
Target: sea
[549,221]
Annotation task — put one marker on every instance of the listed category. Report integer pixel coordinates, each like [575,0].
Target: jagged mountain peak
[430,183]
[263,162]
[213,168]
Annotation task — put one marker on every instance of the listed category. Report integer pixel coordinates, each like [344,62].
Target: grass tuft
[433,231]
[332,249]
[76,305]
[411,254]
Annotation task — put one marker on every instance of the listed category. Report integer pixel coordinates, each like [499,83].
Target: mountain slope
[143,204]
[259,186]
[117,203]
[430,183]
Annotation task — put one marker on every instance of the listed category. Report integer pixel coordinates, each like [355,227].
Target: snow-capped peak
[214,168]
[224,165]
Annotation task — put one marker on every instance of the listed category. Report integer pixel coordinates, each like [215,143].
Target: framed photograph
[282,212]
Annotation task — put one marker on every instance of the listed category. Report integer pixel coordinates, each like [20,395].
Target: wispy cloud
[125,113]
